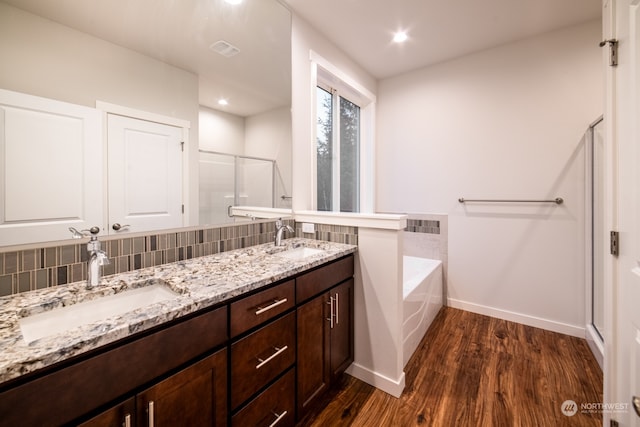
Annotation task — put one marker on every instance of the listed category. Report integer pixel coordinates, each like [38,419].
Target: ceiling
[180,33]
[258,79]
[438,30]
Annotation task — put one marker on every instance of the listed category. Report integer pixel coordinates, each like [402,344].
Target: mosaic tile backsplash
[331,233]
[31,269]
[423,226]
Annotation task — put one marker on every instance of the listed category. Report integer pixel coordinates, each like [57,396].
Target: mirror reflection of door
[50,168]
[145,175]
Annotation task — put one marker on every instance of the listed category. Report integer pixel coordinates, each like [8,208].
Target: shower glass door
[229,180]
[217,187]
[599,234]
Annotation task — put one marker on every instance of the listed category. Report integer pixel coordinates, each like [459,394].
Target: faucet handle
[75,233]
[84,233]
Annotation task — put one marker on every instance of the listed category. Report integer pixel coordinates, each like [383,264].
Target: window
[337,152]
[343,144]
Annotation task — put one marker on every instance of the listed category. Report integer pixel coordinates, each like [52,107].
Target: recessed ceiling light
[223,101]
[233,1]
[400,37]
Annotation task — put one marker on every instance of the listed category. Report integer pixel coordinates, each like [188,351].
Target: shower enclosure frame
[237,158]
[593,335]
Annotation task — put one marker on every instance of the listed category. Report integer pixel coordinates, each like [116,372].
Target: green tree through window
[338,154]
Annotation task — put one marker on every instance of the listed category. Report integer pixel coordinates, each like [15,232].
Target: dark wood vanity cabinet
[74,390]
[262,359]
[273,407]
[341,335]
[325,331]
[263,347]
[195,396]
[121,415]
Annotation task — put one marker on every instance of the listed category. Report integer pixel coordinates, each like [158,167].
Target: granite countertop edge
[200,283]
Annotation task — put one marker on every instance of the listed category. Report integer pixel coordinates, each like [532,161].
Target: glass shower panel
[255,182]
[600,235]
[217,192]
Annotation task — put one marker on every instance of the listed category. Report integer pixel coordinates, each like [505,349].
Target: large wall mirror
[180,60]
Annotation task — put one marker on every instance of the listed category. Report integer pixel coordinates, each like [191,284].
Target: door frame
[611,211]
[107,108]
[621,130]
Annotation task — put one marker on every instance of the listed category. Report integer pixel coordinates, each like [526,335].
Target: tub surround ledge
[200,283]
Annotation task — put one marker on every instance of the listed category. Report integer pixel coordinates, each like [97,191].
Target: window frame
[330,78]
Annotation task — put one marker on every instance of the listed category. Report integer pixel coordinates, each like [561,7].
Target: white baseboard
[596,345]
[537,322]
[394,388]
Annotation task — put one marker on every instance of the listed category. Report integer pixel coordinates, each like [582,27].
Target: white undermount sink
[299,253]
[63,319]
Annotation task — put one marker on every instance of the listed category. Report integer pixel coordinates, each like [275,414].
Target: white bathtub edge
[379,381]
[550,325]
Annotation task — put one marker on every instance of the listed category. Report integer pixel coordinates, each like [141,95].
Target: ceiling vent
[224,48]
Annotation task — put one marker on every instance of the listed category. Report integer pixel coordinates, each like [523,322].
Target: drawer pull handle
[270,358]
[331,315]
[337,310]
[151,421]
[127,420]
[276,303]
[278,418]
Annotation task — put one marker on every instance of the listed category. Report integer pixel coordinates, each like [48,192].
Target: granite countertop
[199,282]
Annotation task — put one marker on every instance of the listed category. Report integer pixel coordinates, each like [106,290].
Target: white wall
[268,135]
[43,58]
[305,38]
[502,123]
[221,132]
[377,294]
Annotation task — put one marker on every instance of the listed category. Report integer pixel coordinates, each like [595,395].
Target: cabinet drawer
[258,308]
[274,404]
[318,281]
[261,356]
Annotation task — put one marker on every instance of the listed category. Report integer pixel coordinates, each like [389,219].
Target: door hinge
[183,209]
[613,51]
[614,243]
[182,146]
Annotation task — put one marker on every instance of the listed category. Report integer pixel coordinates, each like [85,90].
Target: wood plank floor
[474,370]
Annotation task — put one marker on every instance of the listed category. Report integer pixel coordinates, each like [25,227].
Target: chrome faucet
[96,256]
[280,229]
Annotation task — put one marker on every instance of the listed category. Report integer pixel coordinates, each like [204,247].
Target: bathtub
[422,299]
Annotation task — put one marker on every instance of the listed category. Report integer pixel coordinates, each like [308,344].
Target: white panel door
[623,377]
[50,168]
[145,175]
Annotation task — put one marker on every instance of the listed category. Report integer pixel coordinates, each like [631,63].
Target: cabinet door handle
[278,418]
[276,303]
[151,421]
[330,318]
[337,310]
[270,358]
[127,420]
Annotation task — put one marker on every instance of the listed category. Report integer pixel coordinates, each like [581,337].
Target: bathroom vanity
[252,337]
